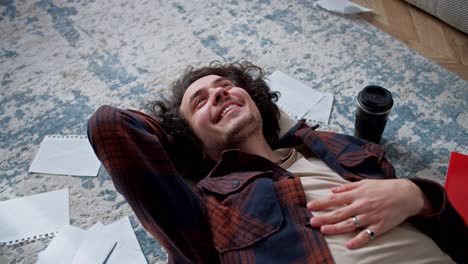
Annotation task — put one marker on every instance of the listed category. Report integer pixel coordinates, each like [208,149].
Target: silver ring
[370,233]
[355,220]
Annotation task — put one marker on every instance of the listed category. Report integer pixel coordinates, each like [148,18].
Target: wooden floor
[422,32]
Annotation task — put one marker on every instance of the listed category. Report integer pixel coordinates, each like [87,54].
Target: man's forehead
[204,81]
[200,84]
[196,86]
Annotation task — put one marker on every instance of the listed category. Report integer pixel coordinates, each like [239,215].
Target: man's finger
[331,200]
[362,238]
[347,186]
[338,215]
[339,228]
[346,226]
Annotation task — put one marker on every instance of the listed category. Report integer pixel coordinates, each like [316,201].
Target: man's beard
[242,131]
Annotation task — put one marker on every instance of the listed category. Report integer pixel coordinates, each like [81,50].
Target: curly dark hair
[167,111]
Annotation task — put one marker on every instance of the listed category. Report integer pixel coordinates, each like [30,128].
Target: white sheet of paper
[320,112]
[96,245]
[128,249]
[296,98]
[342,6]
[74,245]
[65,155]
[62,248]
[32,217]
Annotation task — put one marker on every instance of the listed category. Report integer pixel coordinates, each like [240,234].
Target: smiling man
[307,197]
[224,116]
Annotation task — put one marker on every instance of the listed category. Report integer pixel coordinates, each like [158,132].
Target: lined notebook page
[299,101]
[320,113]
[33,217]
[65,155]
[296,98]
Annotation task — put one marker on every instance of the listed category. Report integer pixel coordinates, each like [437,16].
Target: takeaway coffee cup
[374,105]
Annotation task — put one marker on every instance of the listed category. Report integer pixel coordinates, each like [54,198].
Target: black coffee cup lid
[375,99]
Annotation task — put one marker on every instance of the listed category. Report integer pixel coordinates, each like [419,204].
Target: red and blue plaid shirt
[248,209]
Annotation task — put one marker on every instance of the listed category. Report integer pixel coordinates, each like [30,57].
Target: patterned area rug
[60,60]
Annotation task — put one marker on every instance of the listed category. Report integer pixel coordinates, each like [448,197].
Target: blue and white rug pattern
[60,60]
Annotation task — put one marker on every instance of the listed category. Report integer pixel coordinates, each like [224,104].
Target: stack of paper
[300,101]
[44,215]
[112,244]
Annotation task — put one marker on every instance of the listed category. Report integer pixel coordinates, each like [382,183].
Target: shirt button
[235,184]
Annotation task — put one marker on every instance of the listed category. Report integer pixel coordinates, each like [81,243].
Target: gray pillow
[452,12]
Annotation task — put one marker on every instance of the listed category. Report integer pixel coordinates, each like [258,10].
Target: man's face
[221,114]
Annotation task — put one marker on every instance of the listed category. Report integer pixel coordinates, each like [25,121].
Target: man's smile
[225,109]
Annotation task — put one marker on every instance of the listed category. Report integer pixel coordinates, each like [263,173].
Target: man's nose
[220,95]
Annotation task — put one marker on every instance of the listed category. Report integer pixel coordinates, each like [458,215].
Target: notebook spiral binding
[290,114]
[28,239]
[67,136]
[312,122]
[309,121]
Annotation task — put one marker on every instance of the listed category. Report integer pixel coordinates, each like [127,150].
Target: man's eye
[225,85]
[200,100]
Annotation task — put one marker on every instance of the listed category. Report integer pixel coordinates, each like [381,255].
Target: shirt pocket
[244,214]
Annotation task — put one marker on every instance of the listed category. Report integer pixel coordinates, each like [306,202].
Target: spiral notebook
[65,155]
[34,217]
[299,101]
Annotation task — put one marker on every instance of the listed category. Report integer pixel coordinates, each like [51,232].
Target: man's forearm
[442,222]
[131,147]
